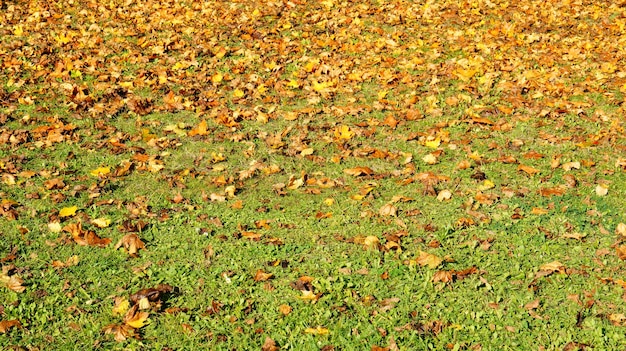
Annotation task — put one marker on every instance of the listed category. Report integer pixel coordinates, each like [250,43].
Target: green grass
[194,200]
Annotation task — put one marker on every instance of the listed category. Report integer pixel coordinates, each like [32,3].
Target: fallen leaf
[261,276]
[6,325]
[317,331]
[101,171]
[269,345]
[68,211]
[359,171]
[621,229]
[132,243]
[136,319]
[388,210]
[602,190]
[528,170]
[444,195]
[430,260]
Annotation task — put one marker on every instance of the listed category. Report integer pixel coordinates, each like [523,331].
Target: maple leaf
[344,132]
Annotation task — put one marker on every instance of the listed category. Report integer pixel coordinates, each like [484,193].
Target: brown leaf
[132,243]
[388,210]
[528,170]
[6,325]
[262,276]
[269,345]
[151,294]
[443,276]
[120,331]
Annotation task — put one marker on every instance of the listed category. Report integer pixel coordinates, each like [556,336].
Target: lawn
[371,175]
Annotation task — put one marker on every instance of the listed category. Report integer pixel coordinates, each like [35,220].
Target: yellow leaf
[18,30]
[217,78]
[308,295]
[344,132]
[238,93]
[179,65]
[486,185]
[68,211]
[293,84]
[101,222]
[100,171]
[316,331]
[121,306]
[136,319]
[433,144]
[321,87]
[382,94]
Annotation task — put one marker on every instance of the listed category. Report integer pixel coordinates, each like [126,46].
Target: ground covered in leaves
[384,175]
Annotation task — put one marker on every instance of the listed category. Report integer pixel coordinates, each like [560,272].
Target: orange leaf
[200,129]
[262,276]
[528,170]
[359,171]
[6,325]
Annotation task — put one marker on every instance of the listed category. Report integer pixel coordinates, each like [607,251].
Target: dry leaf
[5,326]
[602,190]
[388,210]
[528,170]
[621,229]
[262,276]
[430,260]
[132,243]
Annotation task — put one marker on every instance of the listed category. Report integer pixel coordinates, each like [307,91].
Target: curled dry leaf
[262,276]
[444,195]
[11,282]
[554,266]
[132,243]
[388,210]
